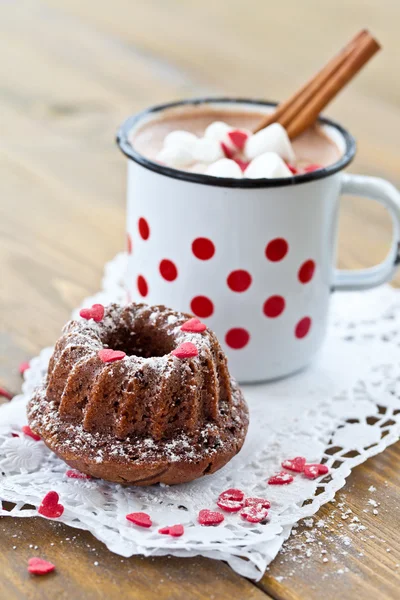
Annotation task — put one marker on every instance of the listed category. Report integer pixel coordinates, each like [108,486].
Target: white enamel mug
[253,258]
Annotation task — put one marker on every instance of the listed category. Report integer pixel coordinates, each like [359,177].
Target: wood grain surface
[70,72]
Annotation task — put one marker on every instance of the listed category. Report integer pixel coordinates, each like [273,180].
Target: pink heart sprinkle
[194,326]
[174,530]
[257,502]
[140,518]
[24,366]
[280,479]
[229,505]
[295,464]
[185,350]
[50,506]
[210,517]
[38,566]
[28,431]
[96,313]
[77,475]
[107,355]
[232,494]
[314,471]
[254,514]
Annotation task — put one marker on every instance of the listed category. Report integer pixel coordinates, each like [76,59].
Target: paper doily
[345,408]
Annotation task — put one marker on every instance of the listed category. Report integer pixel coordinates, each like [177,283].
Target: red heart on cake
[314,471]
[139,518]
[194,326]
[295,464]
[107,355]
[38,566]
[28,431]
[185,350]
[50,506]
[96,312]
[210,517]
[238,138]
[280,479]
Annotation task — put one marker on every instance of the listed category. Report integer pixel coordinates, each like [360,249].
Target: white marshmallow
[268,165]
[271,139]
[175,157]
[217,131]
[225,168]
[207,150]
[180,139]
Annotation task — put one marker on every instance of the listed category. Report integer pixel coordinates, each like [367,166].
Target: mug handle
[385,193]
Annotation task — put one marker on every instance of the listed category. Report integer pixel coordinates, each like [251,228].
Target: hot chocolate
[220,142]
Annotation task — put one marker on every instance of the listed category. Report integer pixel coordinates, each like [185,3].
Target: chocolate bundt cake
[139,395]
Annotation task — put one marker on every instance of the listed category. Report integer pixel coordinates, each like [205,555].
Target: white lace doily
[345,408]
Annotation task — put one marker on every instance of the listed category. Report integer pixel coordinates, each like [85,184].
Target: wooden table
[70,72]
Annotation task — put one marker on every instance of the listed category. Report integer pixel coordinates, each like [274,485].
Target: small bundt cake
[139,395]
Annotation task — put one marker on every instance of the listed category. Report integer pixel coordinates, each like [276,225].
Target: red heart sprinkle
[257,502]
[210,517]
[226,150]
[292,168]
[139,518]
[5,394]
[314,471]
[238,138]
[96,312]
[194,326]
[38,566]
[243,164]
[107,355]
[229,505]
[24,366]
[232,494]
[254,514]
[76,475]
[280,479]
[28,431]
[311,168]
[50,507]
[295,464]
[174,531]
[185,350]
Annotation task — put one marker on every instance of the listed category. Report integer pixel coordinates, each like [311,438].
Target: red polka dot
[168,270]
[129,243]
[142,286]
[202,306]
[276,249]
[144,228]
[239,281]
[203,248]
[237,338]
[274,306]
[306,271]
[302,327]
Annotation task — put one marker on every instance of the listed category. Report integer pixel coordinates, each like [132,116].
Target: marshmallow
[207,150]
[180,139]
[175,157]
[217,131]
[268,165]
[271,139]
[225,168]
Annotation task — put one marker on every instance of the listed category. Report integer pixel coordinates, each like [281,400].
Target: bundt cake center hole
[145,342]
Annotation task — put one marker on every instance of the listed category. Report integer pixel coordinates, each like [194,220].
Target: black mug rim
[126,147]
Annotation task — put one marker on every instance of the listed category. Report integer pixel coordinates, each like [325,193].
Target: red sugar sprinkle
[24,366]
[76,474]
[229,505]
[280,479]
[314,471]
[185,350]
[295,464]
[139,518]
[194,326]
[203,248]
[238,138]
[107,355]
[96,312]
[50,506]
[28,431]
[39,566]
[210,517]
[202,306]
[226,150]
[5,394]
[232,494]
[254,514]
[257,502]
[174,530]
